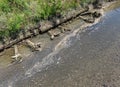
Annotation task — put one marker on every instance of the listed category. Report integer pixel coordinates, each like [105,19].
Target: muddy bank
[84,15]
[88,57]
[55,22]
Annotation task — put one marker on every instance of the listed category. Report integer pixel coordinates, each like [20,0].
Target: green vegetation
[17,14]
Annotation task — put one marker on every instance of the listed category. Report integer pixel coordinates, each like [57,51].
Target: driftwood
[86,13]
[88,20]
[92,16]
[33,46]
[17,56]
[53,34]
[63,29]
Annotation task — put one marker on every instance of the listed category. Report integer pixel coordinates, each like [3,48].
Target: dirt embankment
[87,13]
[28,40]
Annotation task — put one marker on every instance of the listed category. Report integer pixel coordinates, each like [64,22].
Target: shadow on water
[82,59]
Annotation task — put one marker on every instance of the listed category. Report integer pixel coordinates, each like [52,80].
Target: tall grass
[19,13]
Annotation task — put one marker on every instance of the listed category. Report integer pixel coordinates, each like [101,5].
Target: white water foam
[65,43]
[49,59]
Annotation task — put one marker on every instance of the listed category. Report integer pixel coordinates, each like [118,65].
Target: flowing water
[90,58]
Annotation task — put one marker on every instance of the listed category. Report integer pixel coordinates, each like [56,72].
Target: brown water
[82,59]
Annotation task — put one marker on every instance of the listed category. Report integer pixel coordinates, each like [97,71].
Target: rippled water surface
[82,59]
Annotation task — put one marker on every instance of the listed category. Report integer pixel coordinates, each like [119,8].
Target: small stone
[57,21]
[52,37]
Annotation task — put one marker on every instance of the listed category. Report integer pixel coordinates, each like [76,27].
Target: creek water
[90,58]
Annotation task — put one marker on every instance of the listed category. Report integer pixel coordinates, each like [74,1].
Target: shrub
[14,24]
